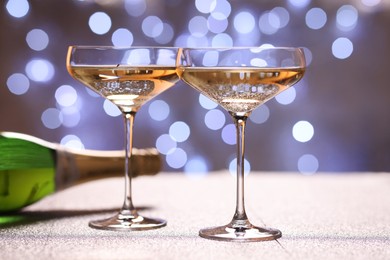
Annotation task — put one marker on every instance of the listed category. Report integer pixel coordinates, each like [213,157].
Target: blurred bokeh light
[334,120]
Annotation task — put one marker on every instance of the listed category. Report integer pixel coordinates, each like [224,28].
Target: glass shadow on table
[27,217]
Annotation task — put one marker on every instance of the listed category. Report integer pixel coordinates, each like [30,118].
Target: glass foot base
[121,222]
[240,234]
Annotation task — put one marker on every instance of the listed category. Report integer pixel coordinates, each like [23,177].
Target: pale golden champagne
[240,90]
[127,87]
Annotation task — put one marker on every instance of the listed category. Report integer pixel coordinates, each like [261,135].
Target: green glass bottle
[31,168]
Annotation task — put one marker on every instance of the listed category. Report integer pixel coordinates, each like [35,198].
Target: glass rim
[112,47]
[245,48]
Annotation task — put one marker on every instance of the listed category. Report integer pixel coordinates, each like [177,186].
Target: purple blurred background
[334,120]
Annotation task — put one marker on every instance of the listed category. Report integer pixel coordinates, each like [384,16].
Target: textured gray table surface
[325,216]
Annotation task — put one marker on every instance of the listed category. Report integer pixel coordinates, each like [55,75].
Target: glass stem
[128,207]
[240,218]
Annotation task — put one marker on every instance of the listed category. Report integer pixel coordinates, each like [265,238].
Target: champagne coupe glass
[128,77]
[240,79]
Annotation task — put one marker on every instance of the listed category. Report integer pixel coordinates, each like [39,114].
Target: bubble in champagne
[244,97]
[128,87]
